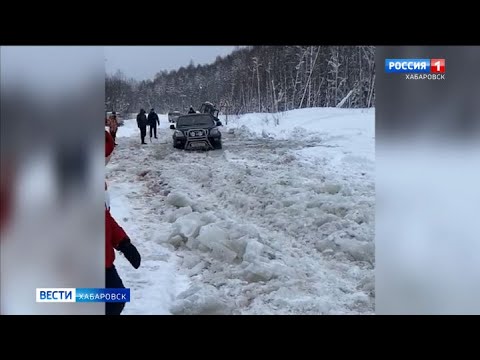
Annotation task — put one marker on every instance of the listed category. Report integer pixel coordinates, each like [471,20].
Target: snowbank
[281,221]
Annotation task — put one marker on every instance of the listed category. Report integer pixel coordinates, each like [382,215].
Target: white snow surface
[280,221]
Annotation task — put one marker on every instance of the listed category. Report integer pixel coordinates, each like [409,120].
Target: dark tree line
[256,79]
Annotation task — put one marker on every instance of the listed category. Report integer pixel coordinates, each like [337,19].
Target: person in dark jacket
[142,122]
[153,121]
[192,110]
[115,239]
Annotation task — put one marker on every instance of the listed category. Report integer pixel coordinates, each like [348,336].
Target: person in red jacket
[112,123]
[115,239]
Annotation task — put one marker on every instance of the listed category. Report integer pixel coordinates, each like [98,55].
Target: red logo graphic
[437,66]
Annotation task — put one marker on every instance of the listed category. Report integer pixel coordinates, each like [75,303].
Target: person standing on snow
[113,125]
[153,121]
[115,239]
[142,124]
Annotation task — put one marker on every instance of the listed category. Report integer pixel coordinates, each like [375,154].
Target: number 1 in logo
[437,66]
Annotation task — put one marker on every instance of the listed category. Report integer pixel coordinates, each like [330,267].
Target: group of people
[206,108]
[143,121]
[151,120]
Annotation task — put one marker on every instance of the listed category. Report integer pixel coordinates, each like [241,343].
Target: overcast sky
[143,62]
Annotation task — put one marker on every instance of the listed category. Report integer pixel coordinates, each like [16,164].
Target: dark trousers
[143,133]
[113,281]
[114,135]
[154,128]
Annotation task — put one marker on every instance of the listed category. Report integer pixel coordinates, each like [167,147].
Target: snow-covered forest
[256,79]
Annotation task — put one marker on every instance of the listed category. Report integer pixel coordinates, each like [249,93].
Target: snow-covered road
[281,221]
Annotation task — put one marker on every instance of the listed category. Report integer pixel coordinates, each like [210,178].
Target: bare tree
[257,78]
